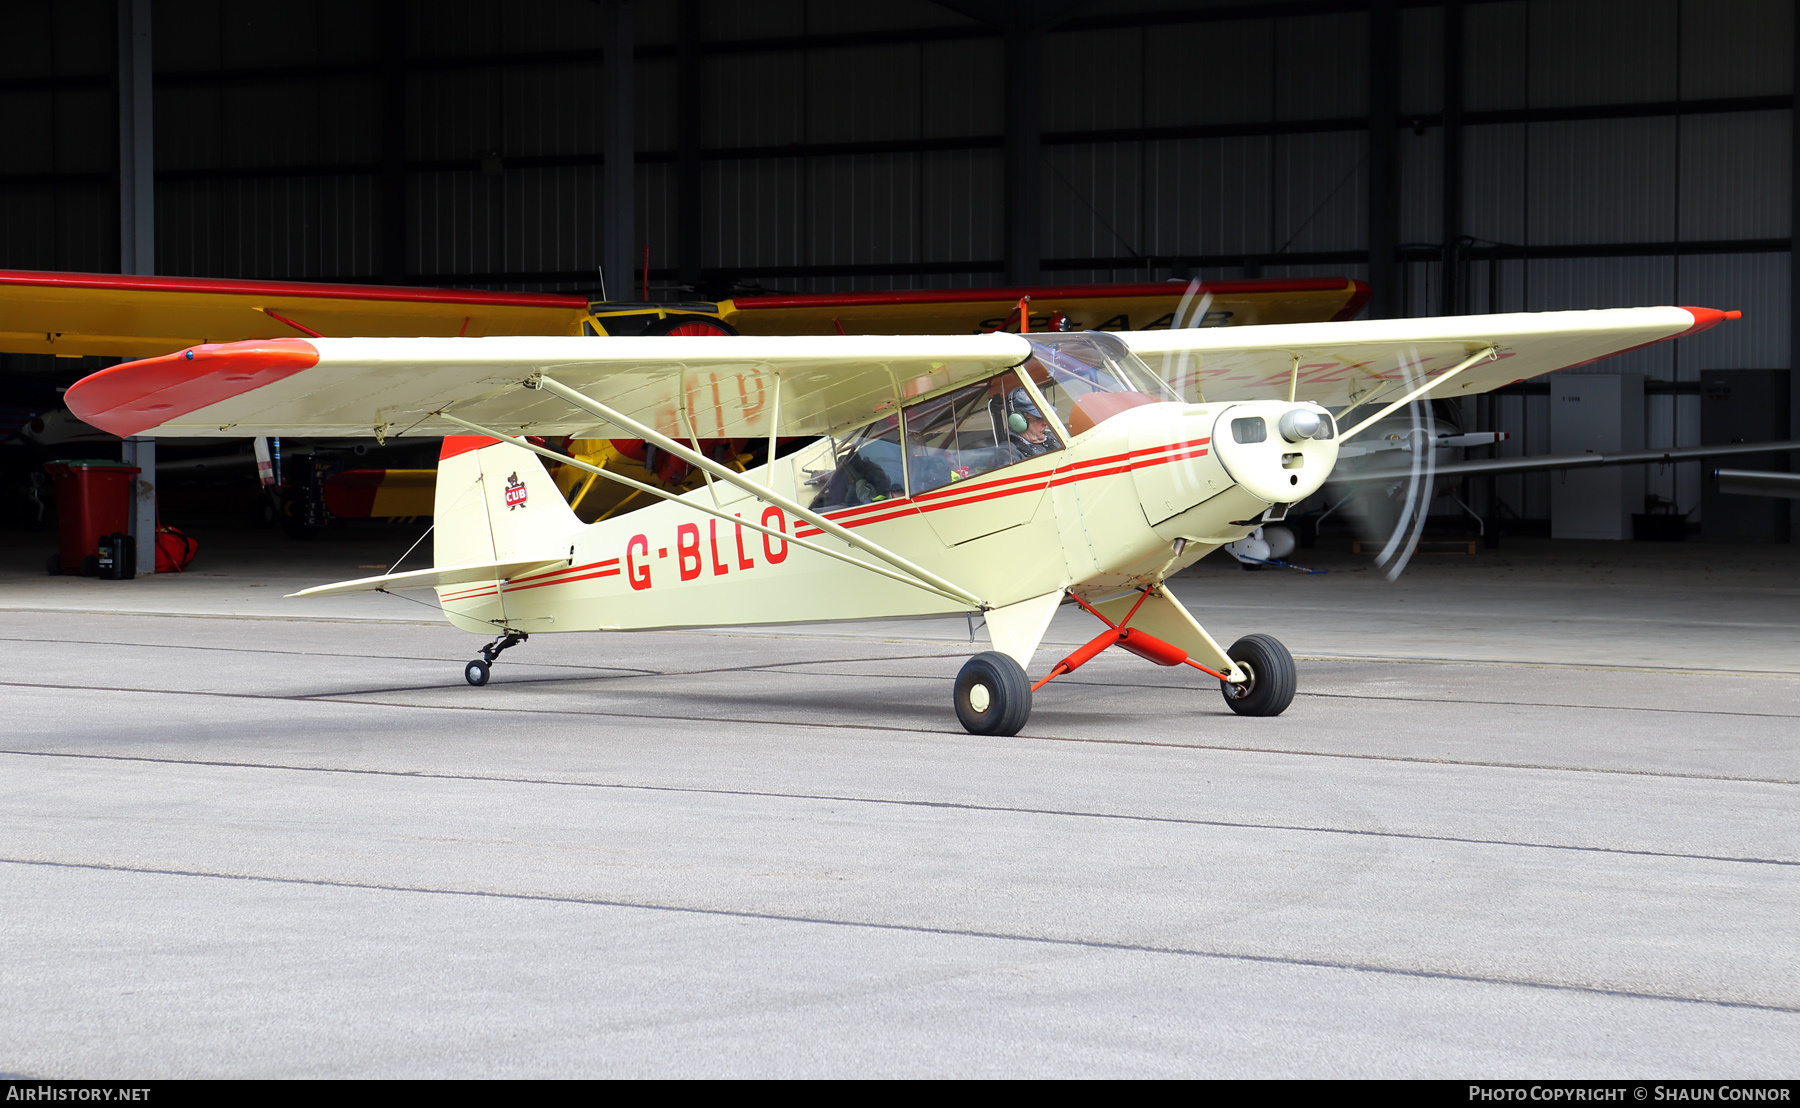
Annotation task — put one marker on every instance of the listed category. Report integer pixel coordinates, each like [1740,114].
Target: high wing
[137,317]
[713,387]
[682,386]
[1129,307]
[1367,361]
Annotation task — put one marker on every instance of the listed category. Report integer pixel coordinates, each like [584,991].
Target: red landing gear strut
[1141,643]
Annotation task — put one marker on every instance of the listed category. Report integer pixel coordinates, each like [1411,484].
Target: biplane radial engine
[999,474]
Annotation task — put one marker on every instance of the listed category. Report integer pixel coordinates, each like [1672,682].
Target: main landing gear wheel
[1270,669]
[993,695]
[476,673]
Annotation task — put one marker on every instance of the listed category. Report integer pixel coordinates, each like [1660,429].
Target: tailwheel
[993,696]
[477,671]
[1270,677]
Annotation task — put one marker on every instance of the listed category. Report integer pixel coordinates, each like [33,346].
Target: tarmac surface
[1532,814]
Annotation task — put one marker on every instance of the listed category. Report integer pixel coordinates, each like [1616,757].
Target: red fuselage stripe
[865,515]
[1033,482]
[470,594]
[608,567]
[536,584]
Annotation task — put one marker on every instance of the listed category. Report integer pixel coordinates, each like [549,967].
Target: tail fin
[496,503]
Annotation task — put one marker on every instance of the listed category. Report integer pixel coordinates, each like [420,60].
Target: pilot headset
[1022,407]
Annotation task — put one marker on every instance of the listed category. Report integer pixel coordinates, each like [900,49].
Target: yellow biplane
[115,315]
[997,474]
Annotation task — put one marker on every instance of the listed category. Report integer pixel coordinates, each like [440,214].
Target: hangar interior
[1468,156]
[1533,811]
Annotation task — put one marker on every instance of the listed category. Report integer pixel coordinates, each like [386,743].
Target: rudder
[496,502]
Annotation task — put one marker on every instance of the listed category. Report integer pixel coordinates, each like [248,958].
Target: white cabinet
[1603,413]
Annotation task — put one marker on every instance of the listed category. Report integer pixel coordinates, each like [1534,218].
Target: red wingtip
[134,397]
[1707,318]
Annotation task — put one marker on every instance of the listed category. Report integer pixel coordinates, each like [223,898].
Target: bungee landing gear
[993,695]
[477,671]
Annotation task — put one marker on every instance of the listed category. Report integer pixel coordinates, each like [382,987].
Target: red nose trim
[136,396]
[1707,318]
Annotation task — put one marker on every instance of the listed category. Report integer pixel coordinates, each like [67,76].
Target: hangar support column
[618,208]
[137,230]
[1794,270]
[1023,192]
[393,142]
[1451,294]
[1384,178]
[689,79]
[1023,22]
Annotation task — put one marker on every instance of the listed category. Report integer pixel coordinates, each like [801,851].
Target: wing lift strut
[1476,358]
[902,569]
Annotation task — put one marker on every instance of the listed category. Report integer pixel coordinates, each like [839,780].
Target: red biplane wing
[1134,307]
[138,317]
[74,314]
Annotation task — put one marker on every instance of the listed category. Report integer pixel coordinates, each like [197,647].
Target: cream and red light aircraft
[997,474]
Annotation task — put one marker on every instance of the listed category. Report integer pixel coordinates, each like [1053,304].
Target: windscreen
[1090,377]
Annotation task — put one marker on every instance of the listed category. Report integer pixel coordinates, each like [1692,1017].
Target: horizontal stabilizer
[429,578]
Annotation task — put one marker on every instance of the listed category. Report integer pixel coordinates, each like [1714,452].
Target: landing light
[1301,423]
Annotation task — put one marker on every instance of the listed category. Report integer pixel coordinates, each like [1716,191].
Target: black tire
[995,678]
[90,565]
[1270,688]
[476,673]
[690,325]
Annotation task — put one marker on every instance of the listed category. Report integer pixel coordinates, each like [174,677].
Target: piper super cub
[999,474]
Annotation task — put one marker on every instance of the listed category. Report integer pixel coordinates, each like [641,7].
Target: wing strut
[1531,463]
[761,492]
[709,510]
[1481,355]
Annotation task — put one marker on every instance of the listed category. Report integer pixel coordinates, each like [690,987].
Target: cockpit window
[843,471]
[1091,377]
[973,430]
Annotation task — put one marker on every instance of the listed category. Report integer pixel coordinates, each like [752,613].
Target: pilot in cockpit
[1028,432]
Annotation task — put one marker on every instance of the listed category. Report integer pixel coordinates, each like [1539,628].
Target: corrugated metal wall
[58,200]
[1616,151]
